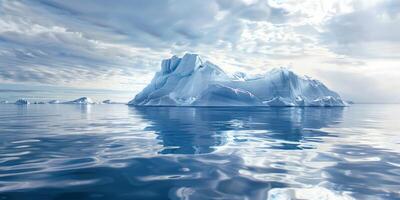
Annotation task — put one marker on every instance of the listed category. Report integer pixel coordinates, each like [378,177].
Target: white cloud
[119,45]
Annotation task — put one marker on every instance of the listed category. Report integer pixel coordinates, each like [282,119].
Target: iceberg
[39,102]
[190,81]
[82,100]
[22,102]
[54,102]
[108,101]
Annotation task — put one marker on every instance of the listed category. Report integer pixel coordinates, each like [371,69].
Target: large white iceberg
[190,81]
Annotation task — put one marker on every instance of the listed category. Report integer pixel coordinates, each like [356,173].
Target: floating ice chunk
[82,100]
[106,101]
[109,102]
[54,102]
[189,81]
[39,102]
[22,102]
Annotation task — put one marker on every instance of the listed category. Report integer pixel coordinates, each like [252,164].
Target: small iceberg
[22,102]
[4,102]
[54,102]
[39,102]
[107,101]
[82,101]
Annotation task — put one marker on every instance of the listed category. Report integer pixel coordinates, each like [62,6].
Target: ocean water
[121,152]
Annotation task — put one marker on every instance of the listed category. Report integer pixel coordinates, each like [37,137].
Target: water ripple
[121,152]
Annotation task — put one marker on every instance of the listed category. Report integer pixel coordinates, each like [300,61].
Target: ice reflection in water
[120,152]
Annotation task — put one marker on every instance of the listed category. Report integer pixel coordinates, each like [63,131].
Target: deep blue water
[120,152]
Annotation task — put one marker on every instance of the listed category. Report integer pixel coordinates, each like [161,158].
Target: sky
[353,46]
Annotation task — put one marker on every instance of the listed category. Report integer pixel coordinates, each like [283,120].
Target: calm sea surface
[119,152]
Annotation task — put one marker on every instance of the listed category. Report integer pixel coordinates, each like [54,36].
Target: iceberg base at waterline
[190,81]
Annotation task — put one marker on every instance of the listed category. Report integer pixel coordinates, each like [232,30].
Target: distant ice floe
[108,101]
[26,102]
[54,102]
[82,101]
[314,193]
[39,102]
[190,81]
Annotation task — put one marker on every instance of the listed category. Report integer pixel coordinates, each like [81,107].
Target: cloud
[368,32]
[362,88]
[119,45]
[37,50]
[69,42]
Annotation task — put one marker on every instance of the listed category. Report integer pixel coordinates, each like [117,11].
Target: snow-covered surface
[315,193]
[22,102]
[82,100]
[190,81]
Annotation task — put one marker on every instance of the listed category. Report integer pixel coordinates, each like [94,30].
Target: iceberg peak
[182,66]
[190,81]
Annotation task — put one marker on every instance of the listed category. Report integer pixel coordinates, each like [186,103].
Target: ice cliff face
[189,81]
